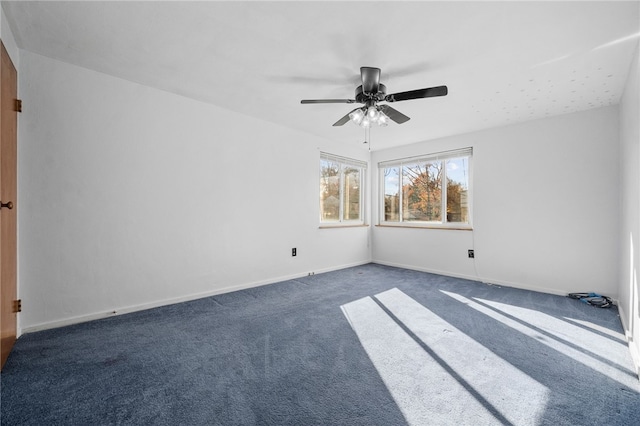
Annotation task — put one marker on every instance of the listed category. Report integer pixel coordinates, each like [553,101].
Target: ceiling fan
[370,93]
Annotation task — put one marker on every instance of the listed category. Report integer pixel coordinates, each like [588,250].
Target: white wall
[133,197]
[8,40]
[630,208]
[545,207]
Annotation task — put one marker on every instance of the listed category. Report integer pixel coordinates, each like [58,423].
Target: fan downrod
[362,97]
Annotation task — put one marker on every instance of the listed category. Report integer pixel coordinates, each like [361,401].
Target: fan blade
[394,114]
[327,101]
[344,119]
[370,79]
[417,94]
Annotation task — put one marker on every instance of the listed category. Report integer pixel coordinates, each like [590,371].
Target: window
[427,190]
[341,190]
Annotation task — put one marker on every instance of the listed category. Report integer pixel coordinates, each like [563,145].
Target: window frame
[423,159]
[344,162]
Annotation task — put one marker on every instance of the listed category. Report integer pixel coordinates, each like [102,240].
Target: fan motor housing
[362,97]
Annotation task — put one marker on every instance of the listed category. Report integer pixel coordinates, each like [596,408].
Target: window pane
[329,191]
[392,194]
[422,192]
[457,190]
[351,193]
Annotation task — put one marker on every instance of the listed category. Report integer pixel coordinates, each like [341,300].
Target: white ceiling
[503,62]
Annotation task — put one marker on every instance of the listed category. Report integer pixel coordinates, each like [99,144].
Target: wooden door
[8,191]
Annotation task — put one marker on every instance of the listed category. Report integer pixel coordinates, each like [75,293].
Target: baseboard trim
[483,280]
[524,286]
[428,270]
[633,349]
[635,357]
[187,298]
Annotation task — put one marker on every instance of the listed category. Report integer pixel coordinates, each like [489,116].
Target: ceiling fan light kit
[370,93]
[364,117]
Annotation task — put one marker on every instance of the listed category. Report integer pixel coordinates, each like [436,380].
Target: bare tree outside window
[430,190]
[392,194]
[351,193]
[329,191]
[457,190]
[341,192]
[422,192]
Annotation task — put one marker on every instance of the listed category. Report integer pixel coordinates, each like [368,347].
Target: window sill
[326,226]
[428,226]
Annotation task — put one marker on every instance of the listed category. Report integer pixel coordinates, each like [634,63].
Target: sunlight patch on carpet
[588,344]
[549,336]
[434,370]
[616,335]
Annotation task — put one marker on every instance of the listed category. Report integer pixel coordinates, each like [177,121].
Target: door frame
[9,305]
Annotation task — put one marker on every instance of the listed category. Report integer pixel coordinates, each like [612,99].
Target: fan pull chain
[367,137]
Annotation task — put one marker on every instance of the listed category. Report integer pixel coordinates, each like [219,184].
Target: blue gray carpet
[370,345]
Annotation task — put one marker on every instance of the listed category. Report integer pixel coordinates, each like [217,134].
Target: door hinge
[17,306]
[18,105]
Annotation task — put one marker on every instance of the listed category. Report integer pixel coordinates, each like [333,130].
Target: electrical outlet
[472,254]
[294,252]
